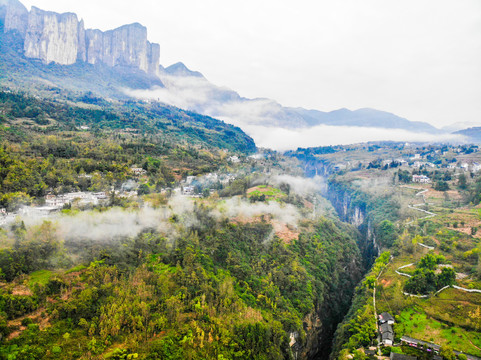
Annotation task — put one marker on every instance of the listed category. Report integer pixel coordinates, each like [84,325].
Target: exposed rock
[82,49]
[154,58]
[14,16]
[62,39]
[127,46]
[94,43]
[52,37]
[124,46]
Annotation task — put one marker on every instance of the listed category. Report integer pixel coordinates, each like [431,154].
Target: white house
[421,179]
[234,159]
[138,171]
[476,167]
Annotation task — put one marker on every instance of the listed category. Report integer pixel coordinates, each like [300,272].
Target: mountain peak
[179,69]
[14,3]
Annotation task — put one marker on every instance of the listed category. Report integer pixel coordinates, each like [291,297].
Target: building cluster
[83,198]
[211,181]
[385,328]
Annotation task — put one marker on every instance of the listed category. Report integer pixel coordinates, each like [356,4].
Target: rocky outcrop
[53,37]
[62,39]
[14,16]
[125,46]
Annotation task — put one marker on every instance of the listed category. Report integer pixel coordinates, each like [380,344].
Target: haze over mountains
[44,49]
[221,102]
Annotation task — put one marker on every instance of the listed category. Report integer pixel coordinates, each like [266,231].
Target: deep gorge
[354,211]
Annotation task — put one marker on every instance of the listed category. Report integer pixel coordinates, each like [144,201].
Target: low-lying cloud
[236,207]
[266,121]
[323,135]
[300,185]
[107,226]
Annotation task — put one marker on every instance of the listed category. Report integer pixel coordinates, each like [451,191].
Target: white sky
[420,59]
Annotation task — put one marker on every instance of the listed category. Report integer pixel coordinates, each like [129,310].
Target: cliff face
[52,37]
[62,39]
[126,46]
[14,15]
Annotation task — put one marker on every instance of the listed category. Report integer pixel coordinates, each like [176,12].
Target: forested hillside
[223,290]
[49,146]
[213,255]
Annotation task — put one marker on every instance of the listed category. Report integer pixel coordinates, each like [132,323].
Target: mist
[115,223]
[300,185]
[266,121]
[282,139]
[237,207]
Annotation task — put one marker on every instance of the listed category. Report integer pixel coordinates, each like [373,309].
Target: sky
[419,59]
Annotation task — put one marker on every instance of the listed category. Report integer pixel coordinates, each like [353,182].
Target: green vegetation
[266,193]
[432,226]
[167,143]
[218,291]
[359,326]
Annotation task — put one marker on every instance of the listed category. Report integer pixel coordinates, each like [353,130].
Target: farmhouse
[385,328]
[421,179]
[387,334]
[386,318]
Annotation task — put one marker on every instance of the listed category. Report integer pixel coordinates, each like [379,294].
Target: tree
[14,201]
[447,277]
[386,233]
[422,282]
[430,261]
[447,352]
[462,182]
[441,185]
[143,189]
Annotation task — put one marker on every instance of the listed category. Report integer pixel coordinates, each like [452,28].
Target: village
[387,336]
[191,186]
[454,158]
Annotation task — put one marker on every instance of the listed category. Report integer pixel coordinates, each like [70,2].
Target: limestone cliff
[52,37]
[14,16]
[125,46]
[62,39]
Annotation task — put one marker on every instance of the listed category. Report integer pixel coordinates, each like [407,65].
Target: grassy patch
[75,269]
[414,322]
[40,277]
[266,192]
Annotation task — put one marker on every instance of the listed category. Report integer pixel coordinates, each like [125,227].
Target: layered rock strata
[62,39]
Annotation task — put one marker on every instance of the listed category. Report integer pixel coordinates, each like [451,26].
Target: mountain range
[47,52]
[225,103]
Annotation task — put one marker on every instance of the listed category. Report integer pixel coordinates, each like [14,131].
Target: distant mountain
[364,117]
[179,69]
[460,126]
[473,134]
[192,90]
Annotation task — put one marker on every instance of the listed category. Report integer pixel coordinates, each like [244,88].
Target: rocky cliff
[14,15]
[62,39]
[126,45]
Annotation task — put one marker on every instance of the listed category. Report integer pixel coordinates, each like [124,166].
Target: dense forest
[219,291]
